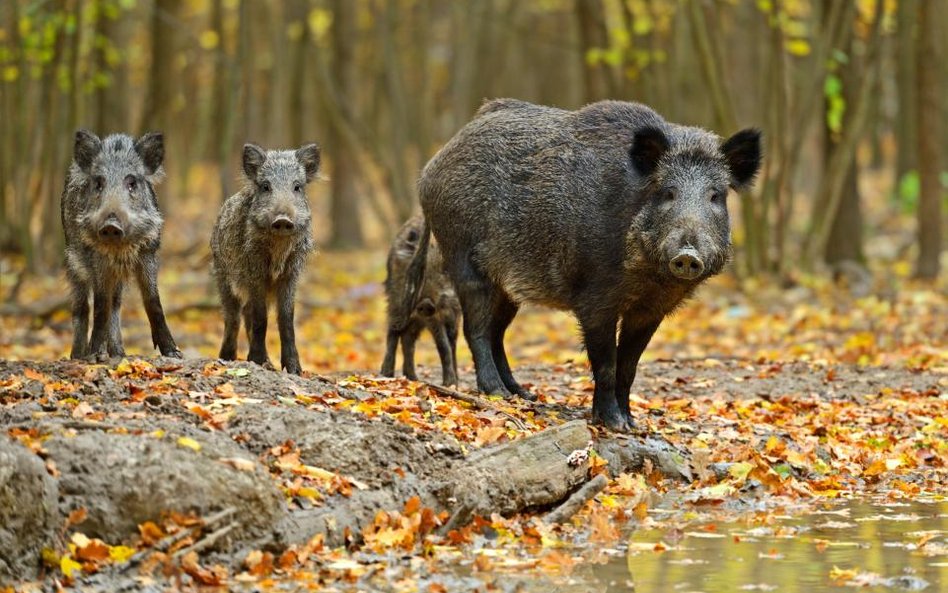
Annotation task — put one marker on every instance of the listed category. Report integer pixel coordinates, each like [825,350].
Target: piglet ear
[743,154]
[87,148]
[254,157]
[308,156]
[151,149]
[648,146]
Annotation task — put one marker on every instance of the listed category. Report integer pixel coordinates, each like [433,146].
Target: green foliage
[908,191]
[833,92]
[835,103]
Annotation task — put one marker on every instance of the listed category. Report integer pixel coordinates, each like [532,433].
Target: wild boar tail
[414,280]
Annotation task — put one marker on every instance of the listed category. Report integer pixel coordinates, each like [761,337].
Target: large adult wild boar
[609,212]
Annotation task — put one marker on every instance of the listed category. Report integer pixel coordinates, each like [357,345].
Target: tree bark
[830,194]
[111,101]
[906,136]
[930,114]
[845,235]
[159,98]
[592,36]
[344,208]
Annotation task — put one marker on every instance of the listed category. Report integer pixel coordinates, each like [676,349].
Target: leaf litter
[788,403]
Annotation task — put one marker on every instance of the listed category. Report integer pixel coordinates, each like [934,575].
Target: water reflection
[893,547]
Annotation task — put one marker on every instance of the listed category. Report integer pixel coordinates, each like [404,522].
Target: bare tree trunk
[157,113]
[907,137]
[845,235]
[223,102]
[344,208]
[830,194]
[930,114]
[111,101]
[298,10]
[161,83]
[804,107]
[396,99]
[589,15]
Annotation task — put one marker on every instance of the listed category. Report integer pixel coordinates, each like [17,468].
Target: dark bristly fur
[437,308]
[260,244]
[609,211]
[113,231]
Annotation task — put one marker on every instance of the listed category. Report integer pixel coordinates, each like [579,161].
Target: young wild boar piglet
[260,244]
[113,231]
[437,308]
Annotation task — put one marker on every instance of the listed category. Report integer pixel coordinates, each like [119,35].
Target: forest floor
[754,402]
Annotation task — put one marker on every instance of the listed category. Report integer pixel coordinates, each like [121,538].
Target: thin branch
[477,402]
[575,502]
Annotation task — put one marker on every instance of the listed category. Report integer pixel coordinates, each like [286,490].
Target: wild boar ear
[254,157]
[742,153]
[308,156]
[87,148]
[151,149]
[648,146]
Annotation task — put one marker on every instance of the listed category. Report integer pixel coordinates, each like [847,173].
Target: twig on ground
[169,540]
[477,402]
[73,424]
[590,489]
[207,541]
[461,516]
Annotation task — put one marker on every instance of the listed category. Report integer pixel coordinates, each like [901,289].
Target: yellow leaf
[740,470]
[875,468]
[319,22]
[121,554]
[209,39]
[842,574]
[50,557]
[123,368]
[189,443]
[798,47]
[68,566]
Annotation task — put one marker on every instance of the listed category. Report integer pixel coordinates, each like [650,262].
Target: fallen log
[526,474]
[590,489]
[629,455]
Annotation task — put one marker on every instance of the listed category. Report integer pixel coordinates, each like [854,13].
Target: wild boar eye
[131,183]
[99,183]
[265,187]
[669,195]
[297,187]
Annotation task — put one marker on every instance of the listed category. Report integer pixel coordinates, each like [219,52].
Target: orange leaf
[150,533]
[412,506]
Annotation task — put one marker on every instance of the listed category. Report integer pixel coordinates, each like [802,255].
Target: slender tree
[930,113]
[346,223]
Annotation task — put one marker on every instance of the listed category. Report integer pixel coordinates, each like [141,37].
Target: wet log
[526,474]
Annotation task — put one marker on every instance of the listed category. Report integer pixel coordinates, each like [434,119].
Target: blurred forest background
[850,96]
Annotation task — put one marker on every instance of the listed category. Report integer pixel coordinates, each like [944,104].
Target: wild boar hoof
[526,394]
[612,419]
[98,356]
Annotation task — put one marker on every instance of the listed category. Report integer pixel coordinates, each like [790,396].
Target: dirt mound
[125,480]
[29,516]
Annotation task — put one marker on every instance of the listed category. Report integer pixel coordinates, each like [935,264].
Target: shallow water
[879,543]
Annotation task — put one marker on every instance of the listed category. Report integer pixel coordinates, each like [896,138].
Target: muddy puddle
[842,546]
[838,547]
